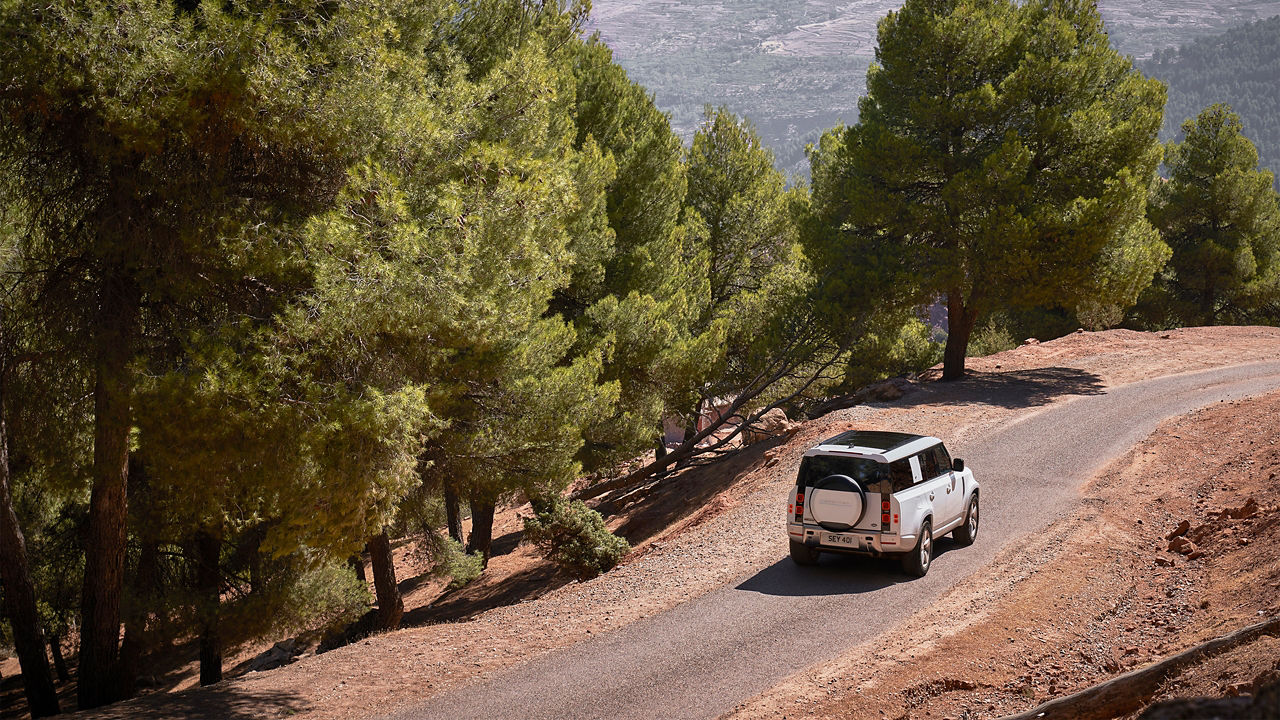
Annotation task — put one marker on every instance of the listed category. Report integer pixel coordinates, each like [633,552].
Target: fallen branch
[1130,691]
[690,447]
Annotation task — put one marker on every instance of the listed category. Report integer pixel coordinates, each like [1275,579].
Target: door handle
[930,496]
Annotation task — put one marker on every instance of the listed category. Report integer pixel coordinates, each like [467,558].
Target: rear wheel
[803,554]
[968,532]
[917,563]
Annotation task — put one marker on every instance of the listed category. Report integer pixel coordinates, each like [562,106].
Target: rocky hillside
[797,68]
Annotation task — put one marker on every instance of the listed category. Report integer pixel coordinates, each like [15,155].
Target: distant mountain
[796,68]
[1240,67]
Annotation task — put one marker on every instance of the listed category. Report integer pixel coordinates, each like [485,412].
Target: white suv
[919,491]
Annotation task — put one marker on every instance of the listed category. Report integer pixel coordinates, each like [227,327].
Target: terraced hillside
[797,68]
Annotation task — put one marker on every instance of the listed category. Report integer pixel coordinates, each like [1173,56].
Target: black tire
[917,562]
[803,554]
[968,530]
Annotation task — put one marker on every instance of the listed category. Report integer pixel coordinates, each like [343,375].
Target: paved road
[701,658]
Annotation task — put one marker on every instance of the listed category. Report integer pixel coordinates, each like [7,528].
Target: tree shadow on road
[1014,389]
[835,574]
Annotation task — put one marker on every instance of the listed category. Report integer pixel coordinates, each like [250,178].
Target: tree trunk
[59,661]
[661,449]
[960,322]
[20,594]
[481,539]
[105,545]
[143,591]
[209,598]
[357,566]
[453,515]
[257,578]
[390,604]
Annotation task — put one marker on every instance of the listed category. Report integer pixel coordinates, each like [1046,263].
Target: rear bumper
[860,542]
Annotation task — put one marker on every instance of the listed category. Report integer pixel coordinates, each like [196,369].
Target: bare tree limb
[1129,692]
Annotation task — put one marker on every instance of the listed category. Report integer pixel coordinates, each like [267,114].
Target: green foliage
[1001,159]
[1240,67]
[904,346]
[756,269]
[454,562]
[645,312]
[302,595]
[574,537]
[1221,216]
[991,337]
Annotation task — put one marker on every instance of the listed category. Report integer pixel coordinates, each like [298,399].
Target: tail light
[799,504]
[885,517]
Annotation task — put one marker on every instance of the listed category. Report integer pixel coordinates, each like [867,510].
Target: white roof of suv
[875,445]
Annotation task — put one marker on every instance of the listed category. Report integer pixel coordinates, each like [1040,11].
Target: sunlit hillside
[796,68]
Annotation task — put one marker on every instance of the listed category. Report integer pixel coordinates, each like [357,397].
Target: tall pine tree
[1219,213]
[1001,159]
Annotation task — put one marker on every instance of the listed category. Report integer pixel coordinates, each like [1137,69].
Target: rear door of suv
[950,502]
[938,483]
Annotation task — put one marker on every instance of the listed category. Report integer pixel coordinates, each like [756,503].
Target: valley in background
[798,68]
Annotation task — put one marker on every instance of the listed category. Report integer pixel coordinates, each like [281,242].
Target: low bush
[454,562]
[574,537]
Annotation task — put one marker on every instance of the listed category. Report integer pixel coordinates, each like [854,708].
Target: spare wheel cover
[837,502]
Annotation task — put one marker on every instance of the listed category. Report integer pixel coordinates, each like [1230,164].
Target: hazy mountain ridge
[797,68]
[1241,67]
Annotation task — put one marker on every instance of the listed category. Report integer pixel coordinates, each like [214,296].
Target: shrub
[453,561]
[897,350]
[992,337]
[574,537]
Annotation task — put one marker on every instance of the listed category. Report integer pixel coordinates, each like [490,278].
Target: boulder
[884,391]
[770,425]
[282,653]
[1179,531]
[1244,512]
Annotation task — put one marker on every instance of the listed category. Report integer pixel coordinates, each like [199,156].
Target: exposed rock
[770,425]
[1200,533]
[1244,512]
[1179,531]
[1181,545]
[282,653]
[1195,554]
[883,391]
[1031,341]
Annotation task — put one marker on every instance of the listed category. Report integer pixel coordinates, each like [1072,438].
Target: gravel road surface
[702,658]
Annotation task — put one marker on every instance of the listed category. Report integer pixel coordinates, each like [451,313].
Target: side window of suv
[942,457]
[929,465]
[900,474]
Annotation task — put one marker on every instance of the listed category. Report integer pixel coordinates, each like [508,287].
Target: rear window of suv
[869,473]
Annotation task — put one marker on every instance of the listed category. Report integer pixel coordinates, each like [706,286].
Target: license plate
[848,541]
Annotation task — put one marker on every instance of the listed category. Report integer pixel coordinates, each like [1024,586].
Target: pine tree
[1220,215]
[1001,159]
[653,283]
[755,262]
[144,136]
[20,604]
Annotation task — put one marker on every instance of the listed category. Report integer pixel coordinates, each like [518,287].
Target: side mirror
[957,465]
